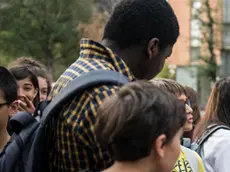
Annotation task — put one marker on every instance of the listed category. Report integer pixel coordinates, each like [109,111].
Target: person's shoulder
[103,91]
[196,156]
[184,150]
[222,133]
[12,138]
[200,162]
[218,139]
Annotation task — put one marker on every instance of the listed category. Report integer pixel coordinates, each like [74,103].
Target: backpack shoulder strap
[192,159]
[80,84]
[210,131]
[21,120]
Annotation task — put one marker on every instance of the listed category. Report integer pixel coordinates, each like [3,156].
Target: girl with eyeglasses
[188,160]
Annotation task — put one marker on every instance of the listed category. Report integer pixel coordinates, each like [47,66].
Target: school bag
[29,148]
[197,146]
[208,132]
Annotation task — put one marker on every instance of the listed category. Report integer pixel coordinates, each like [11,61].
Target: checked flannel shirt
[75,147]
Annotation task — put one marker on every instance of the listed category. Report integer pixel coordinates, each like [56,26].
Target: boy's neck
[142,166]
[5,137]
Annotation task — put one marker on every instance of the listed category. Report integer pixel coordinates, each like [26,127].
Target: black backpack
[197,146]
[29,149]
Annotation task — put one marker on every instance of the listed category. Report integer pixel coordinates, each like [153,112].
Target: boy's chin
[188,128]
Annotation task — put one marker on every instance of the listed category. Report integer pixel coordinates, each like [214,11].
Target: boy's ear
[159,145]
[14,108]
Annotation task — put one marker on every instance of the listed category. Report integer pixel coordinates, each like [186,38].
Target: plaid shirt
[75,148]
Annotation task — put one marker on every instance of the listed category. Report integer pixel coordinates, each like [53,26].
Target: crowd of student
[147,125]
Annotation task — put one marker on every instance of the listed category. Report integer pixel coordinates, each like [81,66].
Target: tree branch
[211,32]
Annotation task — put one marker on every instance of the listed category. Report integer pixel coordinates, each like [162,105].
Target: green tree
[167,72]
[44,29]
[208,20]
[106,6]
[4,60]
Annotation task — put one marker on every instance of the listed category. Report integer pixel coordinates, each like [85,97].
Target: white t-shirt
[215,152]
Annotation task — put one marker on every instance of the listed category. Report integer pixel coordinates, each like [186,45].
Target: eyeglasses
[3,104]
[188,102]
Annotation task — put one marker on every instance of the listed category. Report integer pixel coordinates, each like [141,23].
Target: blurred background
[50,30]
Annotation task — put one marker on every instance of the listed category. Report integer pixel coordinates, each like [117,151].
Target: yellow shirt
[182,164]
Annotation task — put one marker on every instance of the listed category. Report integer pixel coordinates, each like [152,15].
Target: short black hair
[128,123]
[135,22]
[8,85]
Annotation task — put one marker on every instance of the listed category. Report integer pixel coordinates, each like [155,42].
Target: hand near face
[26,105]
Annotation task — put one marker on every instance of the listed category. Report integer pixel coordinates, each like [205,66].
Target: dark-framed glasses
[3,104]
[188,102]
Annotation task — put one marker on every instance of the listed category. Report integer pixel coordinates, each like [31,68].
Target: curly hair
[135,22]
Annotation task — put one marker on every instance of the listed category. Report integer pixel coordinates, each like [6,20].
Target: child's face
[189,123]
[167,154]
[6,110]
[43,88]
[26,88]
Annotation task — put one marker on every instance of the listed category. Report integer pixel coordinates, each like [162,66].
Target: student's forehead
[25,81]
[182,97]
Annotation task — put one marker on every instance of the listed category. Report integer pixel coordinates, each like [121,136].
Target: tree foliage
[95,28]
[45,29]
[166,72]
[4,60]
[208,18]
[106,6]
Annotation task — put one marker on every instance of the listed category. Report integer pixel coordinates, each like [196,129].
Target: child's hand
[26,105]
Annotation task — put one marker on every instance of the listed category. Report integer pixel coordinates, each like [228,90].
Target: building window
[195,30]
[226,11]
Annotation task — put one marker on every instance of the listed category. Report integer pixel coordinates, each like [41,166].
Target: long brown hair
[218,106]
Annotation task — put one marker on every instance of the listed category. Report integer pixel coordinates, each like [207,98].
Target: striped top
[75,147]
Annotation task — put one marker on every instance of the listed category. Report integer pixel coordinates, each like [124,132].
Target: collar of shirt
[92,49]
